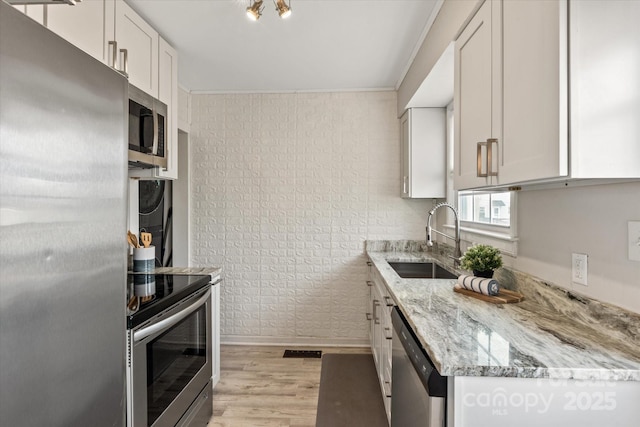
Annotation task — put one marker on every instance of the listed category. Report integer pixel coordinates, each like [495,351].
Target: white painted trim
[293,341]
[252,92]
[507,244]
[420,41]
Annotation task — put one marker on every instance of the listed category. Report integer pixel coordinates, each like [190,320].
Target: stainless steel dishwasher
[418,391]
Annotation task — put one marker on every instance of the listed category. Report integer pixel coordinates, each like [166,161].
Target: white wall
[285,189]
[552,224]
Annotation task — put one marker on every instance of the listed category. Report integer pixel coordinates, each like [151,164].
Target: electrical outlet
[634,240]
[579,269]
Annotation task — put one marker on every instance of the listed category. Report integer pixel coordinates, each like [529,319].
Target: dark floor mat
[349,393]
[306,354]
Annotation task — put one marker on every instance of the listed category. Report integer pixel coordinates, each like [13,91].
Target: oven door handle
[143,333]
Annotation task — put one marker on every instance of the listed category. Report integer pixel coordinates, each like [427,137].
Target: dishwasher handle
[434,383]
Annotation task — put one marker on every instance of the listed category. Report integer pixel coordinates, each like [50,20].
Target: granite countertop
[213,272]
[551,334]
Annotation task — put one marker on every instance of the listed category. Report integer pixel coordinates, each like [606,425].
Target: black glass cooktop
[154,293]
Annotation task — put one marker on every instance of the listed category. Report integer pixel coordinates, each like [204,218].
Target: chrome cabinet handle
[369,283]
[387,389]
[114,53]
[376,320]
[368,316]
[479,159]
[404,184]
[171,320]
[489,145]
[125,62]
[388,301]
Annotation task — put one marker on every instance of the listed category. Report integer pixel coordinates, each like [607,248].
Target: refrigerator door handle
[143,333]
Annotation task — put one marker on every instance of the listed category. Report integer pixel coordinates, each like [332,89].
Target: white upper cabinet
[605,89]
[88,25]
[423,163]
[512,96]
[112,32]
[168,93]
[137,48]
[33,11]
[476,112]
[534,91]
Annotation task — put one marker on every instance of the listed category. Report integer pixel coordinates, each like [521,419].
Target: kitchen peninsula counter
[551,334]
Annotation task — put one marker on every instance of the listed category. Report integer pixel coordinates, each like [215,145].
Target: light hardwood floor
[260,388]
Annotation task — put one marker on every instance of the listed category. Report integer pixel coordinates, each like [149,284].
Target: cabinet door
[33,11]
[534,83]
[168,93]
[605,89]
[423,139]
[84,25]
[405,190]
[138,43]
[476,96]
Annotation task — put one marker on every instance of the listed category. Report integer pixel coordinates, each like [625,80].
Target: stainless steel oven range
[169,358]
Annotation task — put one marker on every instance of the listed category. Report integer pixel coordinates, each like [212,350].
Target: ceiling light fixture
[254,11]
[283,10]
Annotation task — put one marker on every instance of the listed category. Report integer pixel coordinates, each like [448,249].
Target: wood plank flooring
[260,388]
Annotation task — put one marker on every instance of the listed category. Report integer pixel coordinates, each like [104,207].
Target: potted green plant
[482,260]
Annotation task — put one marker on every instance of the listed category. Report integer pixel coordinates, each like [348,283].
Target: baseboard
[293,341]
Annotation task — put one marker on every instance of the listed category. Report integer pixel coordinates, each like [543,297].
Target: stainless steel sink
[421,270]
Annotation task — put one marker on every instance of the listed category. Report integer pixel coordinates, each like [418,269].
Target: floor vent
[307,354]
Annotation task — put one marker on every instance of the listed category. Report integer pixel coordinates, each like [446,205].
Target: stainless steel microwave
[147,130]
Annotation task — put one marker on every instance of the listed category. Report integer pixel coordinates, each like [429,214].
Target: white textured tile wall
[285,189]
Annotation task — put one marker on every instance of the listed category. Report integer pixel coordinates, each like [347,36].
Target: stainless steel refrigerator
[63,168]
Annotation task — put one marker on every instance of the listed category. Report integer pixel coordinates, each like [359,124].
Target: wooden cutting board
[504,296]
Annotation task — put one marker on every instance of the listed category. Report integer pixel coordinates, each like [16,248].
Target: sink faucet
[457,254]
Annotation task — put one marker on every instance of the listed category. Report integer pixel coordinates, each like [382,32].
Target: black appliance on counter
[155,217]
[169,350]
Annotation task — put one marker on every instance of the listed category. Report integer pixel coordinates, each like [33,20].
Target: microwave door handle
[171,320]
[155,132]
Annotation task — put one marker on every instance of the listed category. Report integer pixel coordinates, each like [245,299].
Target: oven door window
[173,360]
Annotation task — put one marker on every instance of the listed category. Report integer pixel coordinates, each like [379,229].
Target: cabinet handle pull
[369,283]
[125,62]
[479,159]
[369,263]
[388,301]
[404,185]
[114,53]
[390,336]
[376,320]
[490,143]
[387,389]
[368,316]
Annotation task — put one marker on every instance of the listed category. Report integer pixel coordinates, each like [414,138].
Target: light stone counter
[213,272]
[551,334]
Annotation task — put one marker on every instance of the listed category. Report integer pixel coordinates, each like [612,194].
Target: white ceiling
[326,45]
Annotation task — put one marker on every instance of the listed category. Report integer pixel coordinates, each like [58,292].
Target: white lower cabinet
[380,333]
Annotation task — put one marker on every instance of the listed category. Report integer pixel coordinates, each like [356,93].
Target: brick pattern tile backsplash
[285,189]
